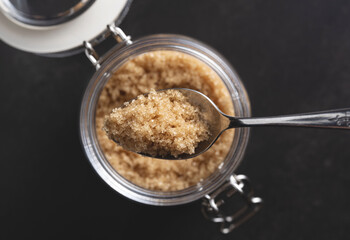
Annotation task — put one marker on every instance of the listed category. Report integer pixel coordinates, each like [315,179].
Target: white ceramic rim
[59,38]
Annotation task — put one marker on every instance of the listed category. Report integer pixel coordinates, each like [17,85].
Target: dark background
[292,55]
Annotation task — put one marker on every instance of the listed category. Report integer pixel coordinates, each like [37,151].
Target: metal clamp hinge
[118,34]
[212,205]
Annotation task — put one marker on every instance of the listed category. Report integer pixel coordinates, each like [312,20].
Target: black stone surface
[292,55]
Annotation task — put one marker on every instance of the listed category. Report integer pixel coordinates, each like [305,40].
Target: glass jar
[88,109]
[211,189]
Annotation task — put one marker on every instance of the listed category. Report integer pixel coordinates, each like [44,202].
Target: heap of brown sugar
[158,124]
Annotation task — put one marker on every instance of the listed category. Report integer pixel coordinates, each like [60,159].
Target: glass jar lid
[48,13]
[57,28]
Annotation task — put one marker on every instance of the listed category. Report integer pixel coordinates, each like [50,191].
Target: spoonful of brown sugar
[162,124]
[182,123]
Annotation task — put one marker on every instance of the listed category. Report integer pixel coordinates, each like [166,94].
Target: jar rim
[203,53]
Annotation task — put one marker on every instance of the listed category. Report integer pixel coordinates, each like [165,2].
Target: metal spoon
[219,122]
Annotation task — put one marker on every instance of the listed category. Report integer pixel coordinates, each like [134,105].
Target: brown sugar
[158,124]
[161,70]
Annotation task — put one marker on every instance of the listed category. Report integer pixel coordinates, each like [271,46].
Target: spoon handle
[339,118]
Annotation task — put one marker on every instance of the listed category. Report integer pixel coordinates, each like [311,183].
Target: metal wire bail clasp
[213,204]
[118,34]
